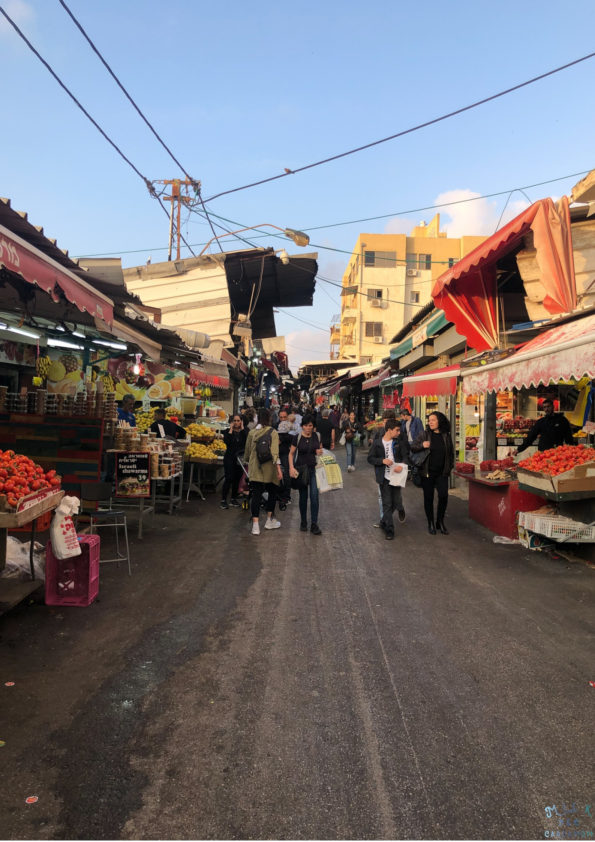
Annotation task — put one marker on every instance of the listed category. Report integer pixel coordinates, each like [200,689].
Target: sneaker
[272,523]
[315,529]
[303,527]
[377,525]
[389,535]
[402,516]
[223,504]
[255,528]
[235,503]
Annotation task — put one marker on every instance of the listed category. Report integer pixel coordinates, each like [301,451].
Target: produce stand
[496,503]
[12,592]
[201,466]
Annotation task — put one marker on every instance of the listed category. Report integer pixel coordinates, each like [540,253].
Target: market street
[294,686]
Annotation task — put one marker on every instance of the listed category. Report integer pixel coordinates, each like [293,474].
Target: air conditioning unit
[411,273]
[376,302]
[379,340]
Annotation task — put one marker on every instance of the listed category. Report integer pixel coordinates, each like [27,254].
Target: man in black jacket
[389,455]
[553,430]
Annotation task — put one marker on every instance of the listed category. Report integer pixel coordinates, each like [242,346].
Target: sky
[239,91]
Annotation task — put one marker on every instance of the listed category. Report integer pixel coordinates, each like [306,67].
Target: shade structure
[468,291]
[373,382]
[36,268]
[440,381]
[270,365]
[564,352]
[210,373]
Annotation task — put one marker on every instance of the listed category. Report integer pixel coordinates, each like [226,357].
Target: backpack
[263,447]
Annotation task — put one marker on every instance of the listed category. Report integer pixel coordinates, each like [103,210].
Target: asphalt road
[291,686]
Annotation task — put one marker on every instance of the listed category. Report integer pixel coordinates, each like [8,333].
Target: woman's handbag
[418,457]
[416,478]
[303,478]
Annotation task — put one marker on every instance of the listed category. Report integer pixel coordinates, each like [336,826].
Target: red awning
[440,381]
[33,266]
[468,291]
[564,352]
[209,374]
[271,367]
[373,382]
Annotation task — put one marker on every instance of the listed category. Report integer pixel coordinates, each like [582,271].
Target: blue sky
[241,90]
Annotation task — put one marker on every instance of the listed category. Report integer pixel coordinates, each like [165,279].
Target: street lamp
[298,237]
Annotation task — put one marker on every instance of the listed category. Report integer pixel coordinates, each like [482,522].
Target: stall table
[173,497]
[12,592]
[201,465]
[495,503]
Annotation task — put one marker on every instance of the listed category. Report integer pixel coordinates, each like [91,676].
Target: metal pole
[171,229]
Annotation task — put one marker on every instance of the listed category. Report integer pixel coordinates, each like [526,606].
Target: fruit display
[497,464]
[219,446]
[465,468]
[42,366]
[201,451]
[20,476]
[558,460]
[144,419]
[471,443]
[200,432]
[515,426]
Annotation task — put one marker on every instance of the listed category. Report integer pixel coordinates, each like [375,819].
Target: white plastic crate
[558,528]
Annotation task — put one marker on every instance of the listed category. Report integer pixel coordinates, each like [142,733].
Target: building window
[411,260]
[364,360]
[425,261]
[374,294]
[452,261]
[373,328]
[380,259]
[414,297]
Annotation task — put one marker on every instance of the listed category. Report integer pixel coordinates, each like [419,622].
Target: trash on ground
[502,539]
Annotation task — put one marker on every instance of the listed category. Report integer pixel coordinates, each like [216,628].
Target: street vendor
[164,427]
[126,411]
[553,430]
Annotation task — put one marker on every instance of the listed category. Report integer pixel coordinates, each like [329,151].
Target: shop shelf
[558,528]
[73,581]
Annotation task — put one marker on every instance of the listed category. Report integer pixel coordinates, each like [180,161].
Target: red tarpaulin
[440,381]
[468,292]
[36,268]
[376,381]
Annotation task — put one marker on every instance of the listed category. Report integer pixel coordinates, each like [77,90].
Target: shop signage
[418,337]
[133,474]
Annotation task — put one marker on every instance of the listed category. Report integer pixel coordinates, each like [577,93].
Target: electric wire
[404,132]
[193,181]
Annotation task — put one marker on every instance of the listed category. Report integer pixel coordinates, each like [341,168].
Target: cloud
[19,11]
[399,225]
[303,345]
[480,217]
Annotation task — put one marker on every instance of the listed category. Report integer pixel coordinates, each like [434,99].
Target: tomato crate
[41,524]
[557,528]
[73,581]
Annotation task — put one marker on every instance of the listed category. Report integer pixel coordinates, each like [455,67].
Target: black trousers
[439,483]
[257,489]
[392,501]
[233,475]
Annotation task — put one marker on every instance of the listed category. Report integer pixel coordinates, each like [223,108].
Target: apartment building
[389,277]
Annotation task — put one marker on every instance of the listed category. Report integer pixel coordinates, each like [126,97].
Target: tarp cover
[468,291]
[439,381]
[561,353]
[376,381]
[36,268]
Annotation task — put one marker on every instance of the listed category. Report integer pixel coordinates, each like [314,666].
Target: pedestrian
[435,470]
[235,443]
[378,433]
[303,454]
[389,454]
[335,416]
[325,430]
[285,439]
[353,431]
[413,425]
[553,429]
[265,476]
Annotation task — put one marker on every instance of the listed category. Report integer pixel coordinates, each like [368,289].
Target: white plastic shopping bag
[63,535]
[399,479]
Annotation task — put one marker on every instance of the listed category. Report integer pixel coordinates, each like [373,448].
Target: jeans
[439,483]
[256,490]
[392,501]
[350,451]
[233,475]
[314,502]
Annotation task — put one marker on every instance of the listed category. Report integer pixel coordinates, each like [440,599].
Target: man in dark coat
[553,430]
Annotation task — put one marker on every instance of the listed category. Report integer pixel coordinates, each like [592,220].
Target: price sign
[133,474]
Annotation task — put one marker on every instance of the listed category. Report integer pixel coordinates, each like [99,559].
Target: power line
[406,131]
[310,324]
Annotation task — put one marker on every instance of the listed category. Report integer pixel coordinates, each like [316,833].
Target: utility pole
[180,195]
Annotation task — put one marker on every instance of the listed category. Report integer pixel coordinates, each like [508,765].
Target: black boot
[431,527]
[440,525]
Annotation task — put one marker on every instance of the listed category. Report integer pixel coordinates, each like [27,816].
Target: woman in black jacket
[235,441]
[436,468]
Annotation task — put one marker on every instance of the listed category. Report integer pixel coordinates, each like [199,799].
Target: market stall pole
[11,593]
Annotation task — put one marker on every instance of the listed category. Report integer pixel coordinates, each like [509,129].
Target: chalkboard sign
[133,474]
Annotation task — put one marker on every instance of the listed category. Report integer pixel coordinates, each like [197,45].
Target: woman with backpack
[302,462]
[436,441]
[264,469]
[351,429]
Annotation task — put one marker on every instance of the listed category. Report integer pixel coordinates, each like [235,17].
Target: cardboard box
[579,478]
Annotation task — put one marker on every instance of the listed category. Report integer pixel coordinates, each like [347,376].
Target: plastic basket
[558,528]
[73,581]
[41,524]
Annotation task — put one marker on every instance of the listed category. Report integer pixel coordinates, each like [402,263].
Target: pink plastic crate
[73,581]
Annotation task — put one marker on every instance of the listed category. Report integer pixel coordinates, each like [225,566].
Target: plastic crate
[558,528]
[75,580]
[41,524]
